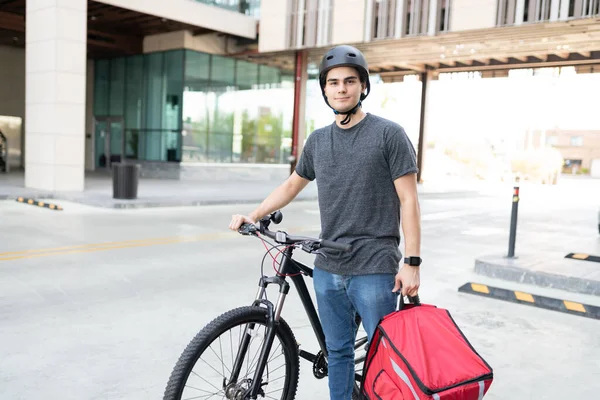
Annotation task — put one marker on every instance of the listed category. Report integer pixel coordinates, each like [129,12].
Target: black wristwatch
[413,261]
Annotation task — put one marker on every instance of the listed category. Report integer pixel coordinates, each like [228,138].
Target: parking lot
[98,303]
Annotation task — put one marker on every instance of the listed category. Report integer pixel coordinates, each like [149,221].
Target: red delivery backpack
[419,353]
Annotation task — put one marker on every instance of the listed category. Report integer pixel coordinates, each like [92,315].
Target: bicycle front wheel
[205,367]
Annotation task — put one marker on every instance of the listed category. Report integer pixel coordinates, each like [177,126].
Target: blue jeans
[339,297]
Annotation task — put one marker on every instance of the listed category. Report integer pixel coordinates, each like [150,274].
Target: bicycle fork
[273,315]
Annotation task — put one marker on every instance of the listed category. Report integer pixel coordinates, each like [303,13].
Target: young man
[365,169]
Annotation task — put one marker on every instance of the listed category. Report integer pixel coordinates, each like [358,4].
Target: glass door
[108,142]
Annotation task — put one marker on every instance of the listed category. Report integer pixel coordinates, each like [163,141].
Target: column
[299,118]
[425,77]
[564,10]
[519,12]
[432,26]
[55,86]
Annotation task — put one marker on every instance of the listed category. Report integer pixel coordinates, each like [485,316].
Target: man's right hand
[238,220]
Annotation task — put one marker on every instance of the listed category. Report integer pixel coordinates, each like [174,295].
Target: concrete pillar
[519,12]
[299,119]
[55,81]
[426,78]
[564,11]
[432,26]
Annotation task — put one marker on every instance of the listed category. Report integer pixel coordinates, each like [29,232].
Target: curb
[38,203]
[544,279]
[582,256]
[548,303]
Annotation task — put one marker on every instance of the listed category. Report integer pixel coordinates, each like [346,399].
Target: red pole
[296,117]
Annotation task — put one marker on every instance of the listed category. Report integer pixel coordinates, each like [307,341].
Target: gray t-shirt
[355,170]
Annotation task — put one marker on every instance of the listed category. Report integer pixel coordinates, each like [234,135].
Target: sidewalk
[578,276]
[169,193]
[571,227]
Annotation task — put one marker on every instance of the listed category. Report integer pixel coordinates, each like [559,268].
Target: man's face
[343,88]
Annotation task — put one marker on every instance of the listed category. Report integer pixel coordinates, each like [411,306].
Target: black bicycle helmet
[345,56]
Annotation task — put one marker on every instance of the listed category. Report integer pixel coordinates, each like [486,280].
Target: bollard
[513,223]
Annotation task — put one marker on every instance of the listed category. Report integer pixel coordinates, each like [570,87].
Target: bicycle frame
[288,267]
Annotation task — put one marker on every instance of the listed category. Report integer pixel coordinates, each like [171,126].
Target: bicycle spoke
[206,381]
[250,365]
[207,396]
[220,359]
[201,397]
[213,368]
[275,352]
[221,350]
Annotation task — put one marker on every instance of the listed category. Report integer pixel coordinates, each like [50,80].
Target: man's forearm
[278,199]
[411,226]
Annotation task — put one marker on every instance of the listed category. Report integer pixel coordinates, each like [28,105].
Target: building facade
[215,82]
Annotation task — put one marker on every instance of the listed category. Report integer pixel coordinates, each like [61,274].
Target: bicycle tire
[222,324]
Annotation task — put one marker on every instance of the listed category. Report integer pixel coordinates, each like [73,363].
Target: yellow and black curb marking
[39,203]
[549,303]
[581,256]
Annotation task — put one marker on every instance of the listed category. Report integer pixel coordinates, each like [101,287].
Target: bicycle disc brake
[320,369]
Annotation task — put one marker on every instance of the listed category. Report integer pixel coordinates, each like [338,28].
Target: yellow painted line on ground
[524,297]
[64,248]
[574,306]
[480,288]
[121,245]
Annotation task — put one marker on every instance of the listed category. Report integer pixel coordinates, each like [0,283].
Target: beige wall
[273,23]
[212,43]
[472,14]
[194,13]
[348,21]
[12,80]
[589,151]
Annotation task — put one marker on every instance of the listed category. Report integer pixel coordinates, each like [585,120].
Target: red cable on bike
[275,258]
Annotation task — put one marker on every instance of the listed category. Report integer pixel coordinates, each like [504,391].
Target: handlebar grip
[336,246]
[247,229]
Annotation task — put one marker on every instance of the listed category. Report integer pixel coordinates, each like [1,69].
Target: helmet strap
[348,113]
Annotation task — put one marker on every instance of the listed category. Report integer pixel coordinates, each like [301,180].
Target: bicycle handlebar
[308,244]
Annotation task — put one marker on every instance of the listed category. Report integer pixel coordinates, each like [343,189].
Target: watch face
[413,261]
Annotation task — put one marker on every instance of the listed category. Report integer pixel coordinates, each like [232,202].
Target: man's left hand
[409,279]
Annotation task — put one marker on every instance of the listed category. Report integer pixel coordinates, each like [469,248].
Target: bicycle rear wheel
[205,366]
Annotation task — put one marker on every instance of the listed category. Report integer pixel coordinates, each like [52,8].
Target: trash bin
[125,180]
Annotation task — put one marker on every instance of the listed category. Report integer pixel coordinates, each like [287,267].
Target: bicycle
[232,383]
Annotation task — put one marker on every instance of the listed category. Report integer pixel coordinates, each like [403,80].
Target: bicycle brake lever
[320,252]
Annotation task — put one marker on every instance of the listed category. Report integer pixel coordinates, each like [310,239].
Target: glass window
[101,86]
[154,84]
[195,113]
[117,87]
[197,70]
[171,121]
[222,74]
[134,98]
[246,75]
[577,141]
[247,7]
[269,76]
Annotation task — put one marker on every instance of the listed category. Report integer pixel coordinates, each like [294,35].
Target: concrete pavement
[170,193]
[98,303]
